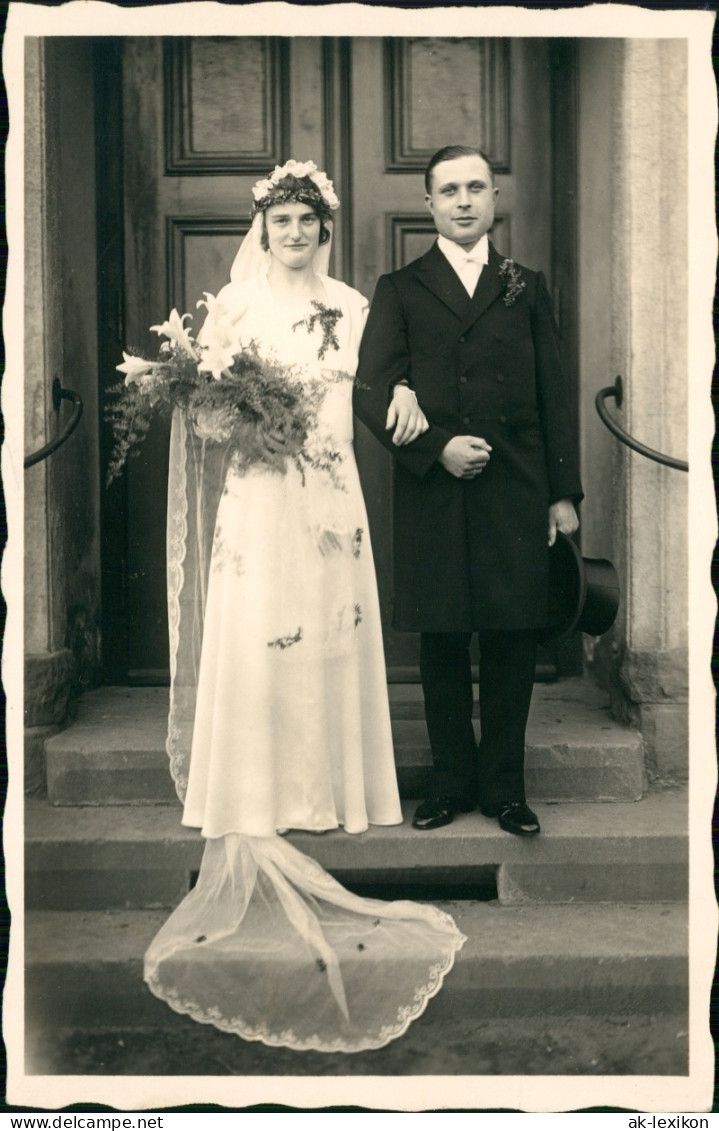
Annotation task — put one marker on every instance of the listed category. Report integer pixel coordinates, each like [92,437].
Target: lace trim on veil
[177,504]
[196,478]
[326,970]
[406,1014]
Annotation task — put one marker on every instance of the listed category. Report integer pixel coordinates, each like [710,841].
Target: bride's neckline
[301,303]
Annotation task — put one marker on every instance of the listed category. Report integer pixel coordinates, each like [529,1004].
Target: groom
[481,494]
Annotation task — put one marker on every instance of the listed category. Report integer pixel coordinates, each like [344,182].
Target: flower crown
[267,191]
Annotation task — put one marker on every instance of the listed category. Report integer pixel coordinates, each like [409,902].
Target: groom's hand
[465,456]
[405,416]
[562,516]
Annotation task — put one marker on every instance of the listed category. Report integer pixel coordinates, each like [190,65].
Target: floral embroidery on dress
[283,642]
[357,542]
[327,461]
[328,317]
[223,553]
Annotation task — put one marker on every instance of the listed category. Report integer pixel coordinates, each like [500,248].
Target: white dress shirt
[468,265]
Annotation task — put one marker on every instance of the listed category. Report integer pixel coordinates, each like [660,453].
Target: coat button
[467,419]
[498,337]
[463,339]
[500,377]
[463,380]
[503,420]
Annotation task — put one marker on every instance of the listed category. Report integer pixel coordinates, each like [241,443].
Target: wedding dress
[279,720]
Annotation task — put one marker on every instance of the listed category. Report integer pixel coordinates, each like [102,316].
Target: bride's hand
[257,445]
[274,447]
[274,442]
[405,416]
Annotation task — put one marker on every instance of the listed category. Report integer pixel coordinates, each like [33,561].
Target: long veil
[266,944]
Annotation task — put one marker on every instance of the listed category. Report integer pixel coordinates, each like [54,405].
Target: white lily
[174,329]
[137,371]
[218,323]
[215,338]
[215,359]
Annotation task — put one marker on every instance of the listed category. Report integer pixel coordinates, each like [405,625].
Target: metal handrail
[617,391]
[58,396]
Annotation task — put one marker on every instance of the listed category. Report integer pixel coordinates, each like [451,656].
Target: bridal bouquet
[236,398]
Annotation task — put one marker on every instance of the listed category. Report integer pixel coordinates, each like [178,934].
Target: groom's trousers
[494,774]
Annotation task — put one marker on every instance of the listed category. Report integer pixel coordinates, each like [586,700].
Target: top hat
[583,592]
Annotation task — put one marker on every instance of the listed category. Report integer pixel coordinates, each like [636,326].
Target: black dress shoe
[438,811]
[516,817]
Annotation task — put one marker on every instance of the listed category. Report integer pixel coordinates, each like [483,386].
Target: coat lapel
[489,287]
[442,280]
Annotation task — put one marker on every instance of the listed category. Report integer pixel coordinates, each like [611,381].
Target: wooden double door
[204,118]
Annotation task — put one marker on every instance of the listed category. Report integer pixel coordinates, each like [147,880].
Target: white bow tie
[470,268]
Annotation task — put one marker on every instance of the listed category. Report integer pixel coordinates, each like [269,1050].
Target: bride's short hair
[300,190]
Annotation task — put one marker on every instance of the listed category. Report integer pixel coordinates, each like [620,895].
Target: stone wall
[633,312]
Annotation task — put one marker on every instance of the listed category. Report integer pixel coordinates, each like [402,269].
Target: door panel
[205,117]
[206,81]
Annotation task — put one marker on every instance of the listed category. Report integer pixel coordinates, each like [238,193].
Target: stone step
[141,856]
[114,754]
[597,1044]
[84,969]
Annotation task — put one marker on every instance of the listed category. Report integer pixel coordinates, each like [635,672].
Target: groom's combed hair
[451,153]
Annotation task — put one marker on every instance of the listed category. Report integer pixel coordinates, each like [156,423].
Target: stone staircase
[588,919]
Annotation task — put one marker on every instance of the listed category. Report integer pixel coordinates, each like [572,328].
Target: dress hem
[294,829]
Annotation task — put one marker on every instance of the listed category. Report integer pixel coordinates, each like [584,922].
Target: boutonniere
[514,283]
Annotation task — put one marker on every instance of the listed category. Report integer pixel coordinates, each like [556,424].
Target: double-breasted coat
[471,554]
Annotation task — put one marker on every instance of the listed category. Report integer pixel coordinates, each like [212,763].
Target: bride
[279,716]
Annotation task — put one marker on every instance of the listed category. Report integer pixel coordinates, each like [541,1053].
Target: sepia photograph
[361,734]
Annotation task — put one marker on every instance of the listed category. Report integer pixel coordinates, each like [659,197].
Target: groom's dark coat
[470,554]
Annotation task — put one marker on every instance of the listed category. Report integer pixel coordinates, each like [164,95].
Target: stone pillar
[62,492]
[641,332]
